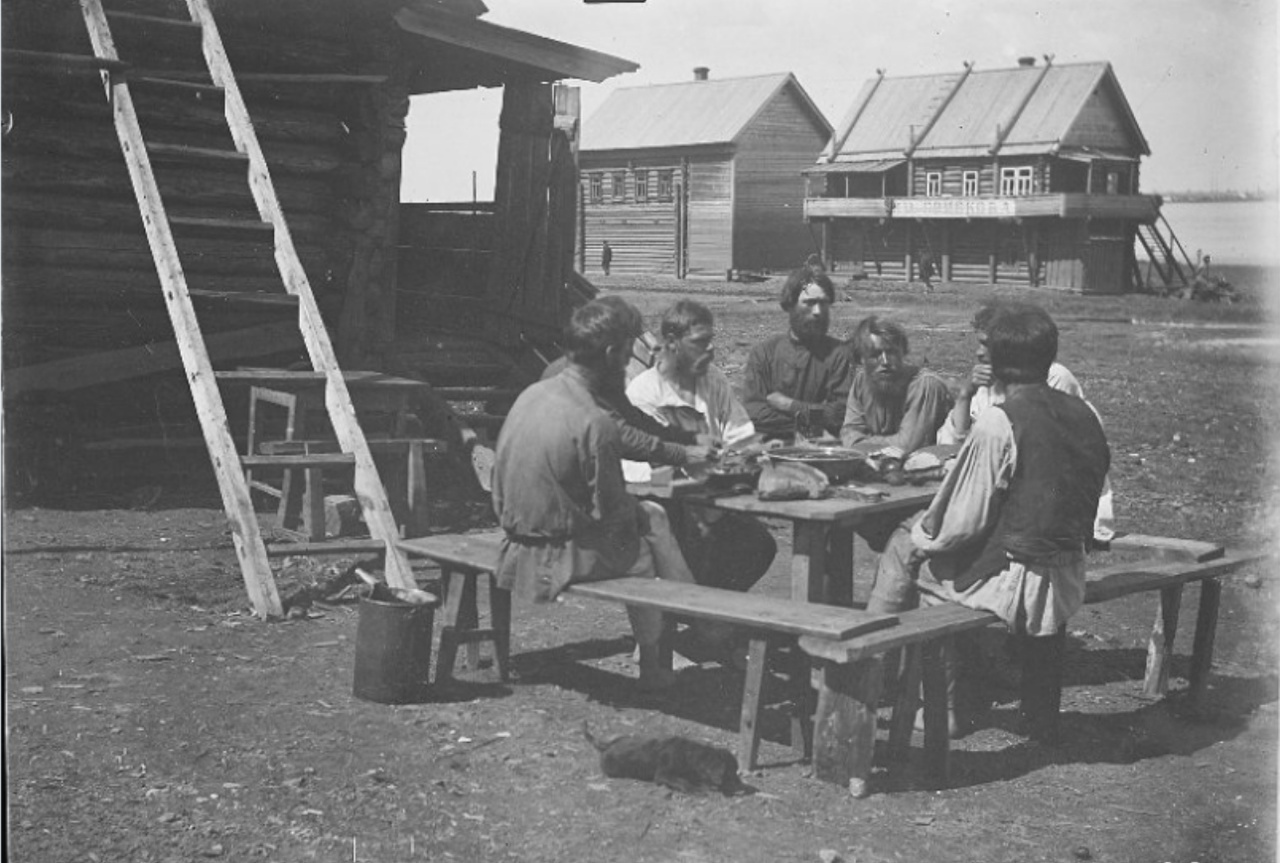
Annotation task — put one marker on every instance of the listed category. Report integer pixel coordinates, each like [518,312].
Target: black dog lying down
[675,762]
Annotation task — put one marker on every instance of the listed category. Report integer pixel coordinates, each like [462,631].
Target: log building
[1027,175]
[699,178]
[328,85]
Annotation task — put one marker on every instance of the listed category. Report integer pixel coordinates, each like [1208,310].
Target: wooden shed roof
[503,50]
[688,114]
[962,114]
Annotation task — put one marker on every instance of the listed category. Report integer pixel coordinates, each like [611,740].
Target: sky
[1200,75]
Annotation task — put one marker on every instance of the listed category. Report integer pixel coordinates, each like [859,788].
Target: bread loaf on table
[789,480]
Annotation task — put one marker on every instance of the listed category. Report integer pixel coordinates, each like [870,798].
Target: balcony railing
[1073,205]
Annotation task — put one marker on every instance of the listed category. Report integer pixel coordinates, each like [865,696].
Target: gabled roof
[970,114]
[688,114]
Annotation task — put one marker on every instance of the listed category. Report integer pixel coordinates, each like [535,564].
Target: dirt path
[151,720]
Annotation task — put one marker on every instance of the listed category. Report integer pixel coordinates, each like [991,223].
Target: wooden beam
[942,106]
[112,366]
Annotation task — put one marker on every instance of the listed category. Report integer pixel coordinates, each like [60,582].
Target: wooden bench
[765,618]
[849,673]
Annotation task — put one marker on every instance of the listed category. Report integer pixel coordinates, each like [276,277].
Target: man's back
[558,490]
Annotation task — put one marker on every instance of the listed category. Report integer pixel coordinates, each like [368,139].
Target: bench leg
[1160,648]
[1202,647]
[448,652]
[468,617]
[802,706]
[844,728]
[500,618]
[313,505]
[749,727]
[903,722]
[934,659]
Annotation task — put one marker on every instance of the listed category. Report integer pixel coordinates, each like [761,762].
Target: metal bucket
[393,651]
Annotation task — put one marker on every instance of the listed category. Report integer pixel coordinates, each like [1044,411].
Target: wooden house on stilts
[1026,175]
[699,178]
[196,186]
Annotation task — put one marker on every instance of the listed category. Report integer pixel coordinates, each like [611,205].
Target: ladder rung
[173,152]
[153,20]
[341,546]
[337,459]
[222,226]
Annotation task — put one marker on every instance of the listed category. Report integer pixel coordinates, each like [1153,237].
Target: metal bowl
[838,463]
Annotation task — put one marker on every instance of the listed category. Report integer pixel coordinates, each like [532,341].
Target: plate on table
[838,463]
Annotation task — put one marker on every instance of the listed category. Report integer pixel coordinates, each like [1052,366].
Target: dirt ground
[150,717]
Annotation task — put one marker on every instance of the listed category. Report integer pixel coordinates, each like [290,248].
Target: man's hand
[778,401]
[709,441]
[698,453]
[980,377]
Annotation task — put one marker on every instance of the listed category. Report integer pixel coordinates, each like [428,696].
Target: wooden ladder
[227,462]
[1163,250]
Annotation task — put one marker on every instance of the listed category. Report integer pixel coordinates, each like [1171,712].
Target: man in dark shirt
[558,488]
[798,382]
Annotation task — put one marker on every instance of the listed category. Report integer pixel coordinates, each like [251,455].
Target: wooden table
[822,530]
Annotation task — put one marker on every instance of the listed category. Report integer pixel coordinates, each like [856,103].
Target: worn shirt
[558,491]
[1035,599]
[817,377]
[643,437]
[908,422]
[713,409]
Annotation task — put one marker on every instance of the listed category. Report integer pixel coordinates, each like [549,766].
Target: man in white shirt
[685,390]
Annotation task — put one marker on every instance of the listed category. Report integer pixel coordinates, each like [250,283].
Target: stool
[461,623]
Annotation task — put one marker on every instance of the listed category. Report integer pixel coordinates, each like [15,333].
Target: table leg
[1160,647]
[839,579]
[844,727]
[418,517]
[809,562]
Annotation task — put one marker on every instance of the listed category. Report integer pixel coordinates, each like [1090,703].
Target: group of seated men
[1006,532]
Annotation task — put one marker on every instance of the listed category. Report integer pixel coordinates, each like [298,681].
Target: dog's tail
[591,738]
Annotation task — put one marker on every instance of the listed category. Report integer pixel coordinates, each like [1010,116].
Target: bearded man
[892,403]
[798,382]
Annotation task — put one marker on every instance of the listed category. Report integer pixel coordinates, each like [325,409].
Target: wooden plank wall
[444,251]
[642,236]
[78,272]
[710,208]
[768,201]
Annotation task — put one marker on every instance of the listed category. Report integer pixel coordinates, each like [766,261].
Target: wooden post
[993,257]
[908,262]
[945,275]
[844,725]
[515,290]
[1033,255]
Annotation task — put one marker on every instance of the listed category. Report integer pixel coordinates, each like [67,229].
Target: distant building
[701,177]
[1027,175]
